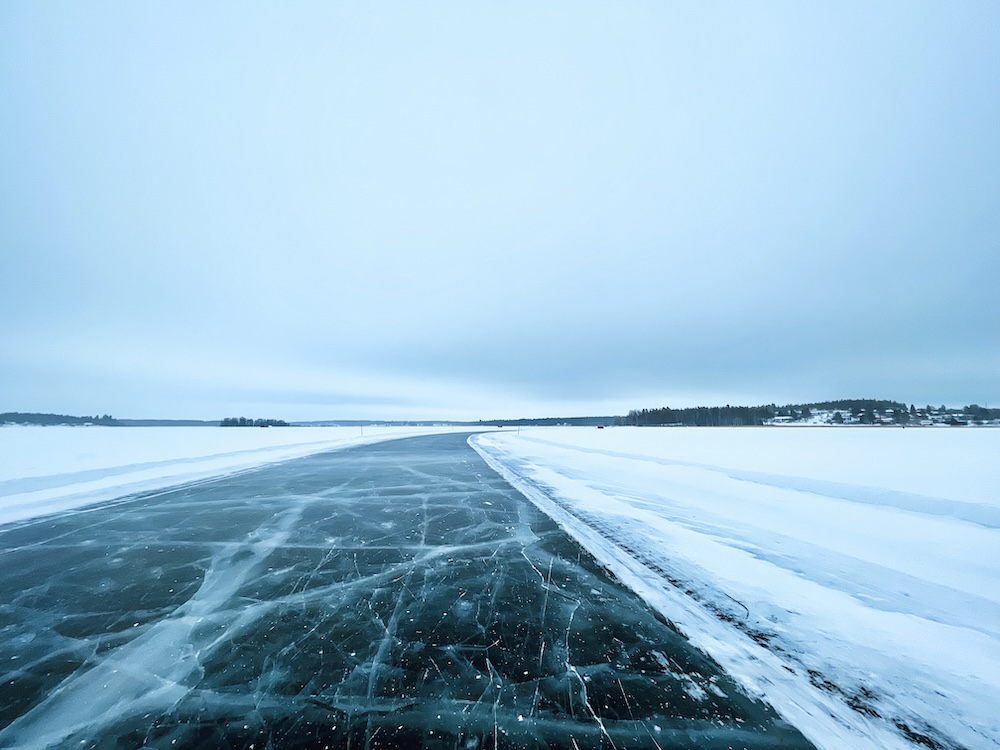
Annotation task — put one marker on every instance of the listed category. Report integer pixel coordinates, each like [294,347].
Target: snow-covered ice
[852,576]
[51,469]
[849,576]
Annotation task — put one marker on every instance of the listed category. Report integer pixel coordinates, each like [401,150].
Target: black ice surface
[396,595]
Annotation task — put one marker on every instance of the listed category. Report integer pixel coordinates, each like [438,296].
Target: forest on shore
[844,411]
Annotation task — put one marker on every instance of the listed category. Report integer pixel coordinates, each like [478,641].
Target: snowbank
[848,575]
[51,469]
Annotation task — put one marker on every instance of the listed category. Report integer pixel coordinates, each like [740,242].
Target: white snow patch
[848,576]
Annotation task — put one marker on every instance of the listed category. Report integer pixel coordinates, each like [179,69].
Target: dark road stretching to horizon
[398,595]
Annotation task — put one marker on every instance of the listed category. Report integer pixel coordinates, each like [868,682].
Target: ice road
[394,595]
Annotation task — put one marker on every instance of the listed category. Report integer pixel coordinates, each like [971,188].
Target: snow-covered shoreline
[52,469]
[850,576]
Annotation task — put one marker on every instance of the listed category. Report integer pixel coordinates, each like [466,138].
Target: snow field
[850,576]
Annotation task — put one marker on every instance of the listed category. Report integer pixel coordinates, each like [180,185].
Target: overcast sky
[496,209]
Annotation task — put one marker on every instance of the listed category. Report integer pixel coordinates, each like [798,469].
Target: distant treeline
[975,411]
[853,405]
[14,417]
[739,416]
[863,410]
[244,422]
[702,416]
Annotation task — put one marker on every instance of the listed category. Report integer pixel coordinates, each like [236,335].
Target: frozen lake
[393,595]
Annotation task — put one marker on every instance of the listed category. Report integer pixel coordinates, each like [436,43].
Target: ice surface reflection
[396,595]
